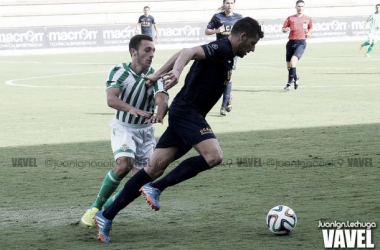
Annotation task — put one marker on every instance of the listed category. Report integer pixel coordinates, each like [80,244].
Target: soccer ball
[281,219]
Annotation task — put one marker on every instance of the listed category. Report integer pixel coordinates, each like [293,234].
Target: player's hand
[171,78]
[151,79]
[138,112]
[221,29]
[154,119]
[286,30]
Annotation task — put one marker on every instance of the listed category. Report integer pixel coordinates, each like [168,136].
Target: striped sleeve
[370,18]
[159,87]
[116,76]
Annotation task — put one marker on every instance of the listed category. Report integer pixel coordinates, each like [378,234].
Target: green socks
[110,200]
[110,183]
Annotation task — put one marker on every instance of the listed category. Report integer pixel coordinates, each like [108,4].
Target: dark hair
[377,5]
[249,26]
[300,1]
[146,7]
[136,41]
[222,8]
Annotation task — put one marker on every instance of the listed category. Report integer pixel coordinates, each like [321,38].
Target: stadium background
[34,24]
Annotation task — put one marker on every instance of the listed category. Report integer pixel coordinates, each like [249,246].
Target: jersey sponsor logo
[214,46]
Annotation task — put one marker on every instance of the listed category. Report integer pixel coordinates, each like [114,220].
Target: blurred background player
[300,27]
[374,31]
[221,24]
[132,132]
[145,24]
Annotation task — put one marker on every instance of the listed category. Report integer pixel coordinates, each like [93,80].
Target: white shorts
[136,142]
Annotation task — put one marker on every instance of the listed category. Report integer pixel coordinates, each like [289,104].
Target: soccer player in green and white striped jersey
[374,31]
[132,132]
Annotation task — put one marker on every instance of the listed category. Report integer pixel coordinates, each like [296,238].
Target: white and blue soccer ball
[281,219]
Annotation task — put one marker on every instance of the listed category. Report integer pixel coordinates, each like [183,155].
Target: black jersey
[220,19]
[146,24]
[207,79]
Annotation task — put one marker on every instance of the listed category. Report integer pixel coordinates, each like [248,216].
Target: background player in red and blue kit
[221,24]
[300,27]
[146,22]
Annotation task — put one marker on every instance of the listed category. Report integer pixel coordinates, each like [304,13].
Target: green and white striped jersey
[374,21]
[133,91]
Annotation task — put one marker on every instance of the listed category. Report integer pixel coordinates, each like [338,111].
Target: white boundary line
[12,82]
[252,65]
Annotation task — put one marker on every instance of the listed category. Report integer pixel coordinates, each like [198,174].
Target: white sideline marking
[12,82]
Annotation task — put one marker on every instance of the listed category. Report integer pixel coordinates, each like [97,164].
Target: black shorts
[186,129]
[295,48]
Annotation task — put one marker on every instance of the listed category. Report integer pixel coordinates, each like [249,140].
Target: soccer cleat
[151,195]
[88,217]
[229,105]
[104,227]
[296,82]
[223,111]
[367,55]
[287,87]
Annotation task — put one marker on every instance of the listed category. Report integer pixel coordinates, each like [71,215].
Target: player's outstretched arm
[156,30]
[151,79]
[162,108]
[114,101]
[185,56]
[214,31]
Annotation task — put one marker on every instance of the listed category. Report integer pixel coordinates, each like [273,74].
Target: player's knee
[214,159]
[123,166]
[156,168]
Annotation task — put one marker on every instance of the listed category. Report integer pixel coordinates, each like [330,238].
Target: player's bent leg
[160,160]
[123,166]
[110,183]
[211,151]
[113,198]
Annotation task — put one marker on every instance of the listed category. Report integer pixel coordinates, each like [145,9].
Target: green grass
[331,119]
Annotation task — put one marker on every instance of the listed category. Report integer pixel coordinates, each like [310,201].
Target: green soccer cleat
[88,217]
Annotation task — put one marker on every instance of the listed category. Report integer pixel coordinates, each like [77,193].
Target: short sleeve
[286,23]
[115,77]
[153,22]
[216,51]
[215,23]
[159,87]
[139,20]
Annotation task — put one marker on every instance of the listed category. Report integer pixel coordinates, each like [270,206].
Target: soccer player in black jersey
[188,128]
[221,24]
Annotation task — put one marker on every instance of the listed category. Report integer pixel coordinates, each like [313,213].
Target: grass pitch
[315,149]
